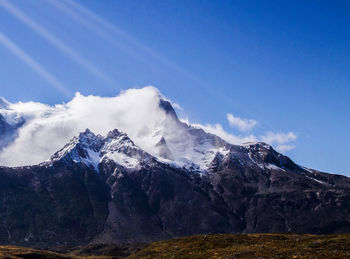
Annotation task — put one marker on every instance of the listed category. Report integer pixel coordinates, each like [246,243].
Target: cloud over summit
[48,128]
[135,111]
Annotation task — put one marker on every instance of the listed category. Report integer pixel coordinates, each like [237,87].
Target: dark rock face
[49,206]
[251,189]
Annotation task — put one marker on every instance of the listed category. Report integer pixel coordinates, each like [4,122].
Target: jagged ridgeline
[139,174]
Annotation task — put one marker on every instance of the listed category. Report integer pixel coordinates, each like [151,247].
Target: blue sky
[283,64]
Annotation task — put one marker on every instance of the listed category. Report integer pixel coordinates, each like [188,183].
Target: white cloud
[279,138]
[241,124]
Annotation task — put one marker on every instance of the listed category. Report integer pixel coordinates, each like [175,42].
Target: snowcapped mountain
[106,189]
[91,150]
[152,132]
[136,173]
[208,152]
[84,148]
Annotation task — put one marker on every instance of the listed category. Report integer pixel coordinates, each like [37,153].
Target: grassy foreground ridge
[208,246]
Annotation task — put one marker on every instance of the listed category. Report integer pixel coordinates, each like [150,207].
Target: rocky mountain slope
[107,189]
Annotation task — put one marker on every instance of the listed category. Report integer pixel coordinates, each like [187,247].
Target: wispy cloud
[54,40]
[17,51]
[284,148]
[239,123]
[279,138]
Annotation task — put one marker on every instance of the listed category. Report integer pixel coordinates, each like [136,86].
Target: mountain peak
[89,140]
[83,148]
[163,149]
[114,133]
[264,155]
[91,150]
[167,107]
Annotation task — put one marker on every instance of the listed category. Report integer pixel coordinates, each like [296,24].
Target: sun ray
[54,41]
[17,51]
[105,25]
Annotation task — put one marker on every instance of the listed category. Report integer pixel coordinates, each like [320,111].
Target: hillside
[218,246]
[250,246]
[23,252]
